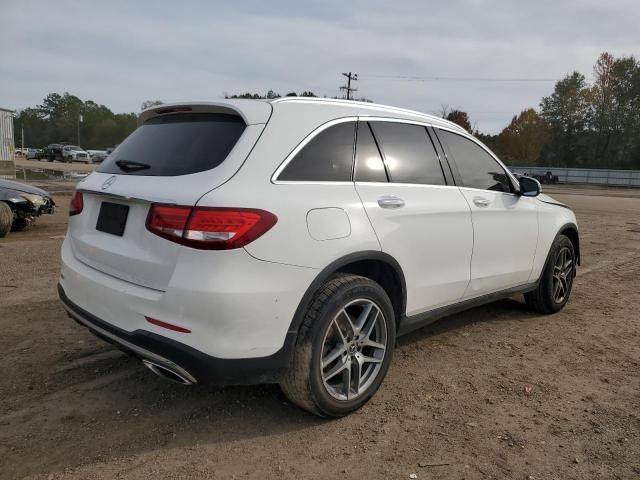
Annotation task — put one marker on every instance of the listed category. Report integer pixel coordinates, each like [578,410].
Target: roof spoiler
[251,111]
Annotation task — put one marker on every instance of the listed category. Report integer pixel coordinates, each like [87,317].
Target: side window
[328,157]
[408,153]
[477,168]
[369,166]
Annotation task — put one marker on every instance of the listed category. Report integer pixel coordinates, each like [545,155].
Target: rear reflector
[169,326]
[209,228]
[76,204]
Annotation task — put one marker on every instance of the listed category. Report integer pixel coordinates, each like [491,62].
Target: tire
[556,281]
[6,219]
[326,334]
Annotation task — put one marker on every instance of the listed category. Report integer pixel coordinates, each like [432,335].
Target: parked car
[34,153]
[20,204]
[545,178]
[53,152]
[41,153]
[97,156]
[292,241]
[73,153]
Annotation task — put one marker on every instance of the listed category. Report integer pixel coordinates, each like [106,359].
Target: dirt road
[496,392]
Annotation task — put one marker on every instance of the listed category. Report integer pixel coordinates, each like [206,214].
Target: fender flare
[561,231]
[571,226]
[334,267]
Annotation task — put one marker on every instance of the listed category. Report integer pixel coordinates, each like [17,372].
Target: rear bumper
[189,363]
[236,307]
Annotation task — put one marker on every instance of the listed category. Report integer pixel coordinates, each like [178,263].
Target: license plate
[112,218]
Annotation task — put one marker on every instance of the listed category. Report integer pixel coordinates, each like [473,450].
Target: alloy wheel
[562,274]
[353,349]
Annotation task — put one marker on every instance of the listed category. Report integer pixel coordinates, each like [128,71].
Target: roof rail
[368,105]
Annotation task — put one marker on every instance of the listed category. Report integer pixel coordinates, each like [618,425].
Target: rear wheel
[6,219]
[555,284]
[344,347]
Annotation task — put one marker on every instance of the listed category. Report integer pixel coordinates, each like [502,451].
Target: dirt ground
[496,392]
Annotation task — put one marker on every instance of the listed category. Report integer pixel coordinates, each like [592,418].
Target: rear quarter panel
[290,241]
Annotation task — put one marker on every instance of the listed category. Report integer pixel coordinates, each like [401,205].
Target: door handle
[481,202]
[389,201]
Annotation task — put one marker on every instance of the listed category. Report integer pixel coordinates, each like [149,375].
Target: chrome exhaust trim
[165,372]
[169,369]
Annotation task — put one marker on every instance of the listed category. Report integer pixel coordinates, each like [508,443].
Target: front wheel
[344,347]
[556,281]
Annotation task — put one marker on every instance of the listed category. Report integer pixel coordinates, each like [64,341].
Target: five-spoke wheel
[554,287]
[344,347]
[562,274]
[353,349]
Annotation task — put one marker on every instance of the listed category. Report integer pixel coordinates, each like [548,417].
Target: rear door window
[477,168]
[369,165]
[176,145]
[328,157]
[409,155]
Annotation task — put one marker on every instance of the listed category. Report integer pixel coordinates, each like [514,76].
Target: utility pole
[347,87]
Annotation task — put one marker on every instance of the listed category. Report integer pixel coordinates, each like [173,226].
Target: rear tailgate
[110,234]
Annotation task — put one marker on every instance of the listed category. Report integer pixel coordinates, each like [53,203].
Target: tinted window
[477,168]
[369,166]
[328,157]
[408,153]
[177,145]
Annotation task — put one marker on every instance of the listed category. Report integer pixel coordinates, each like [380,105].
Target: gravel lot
[496,392]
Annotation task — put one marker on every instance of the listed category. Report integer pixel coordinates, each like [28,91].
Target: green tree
[460,118]
[56,120]
[150,103]
[520,143]
[601,97]
[624,147]
[270,95]
[567,112]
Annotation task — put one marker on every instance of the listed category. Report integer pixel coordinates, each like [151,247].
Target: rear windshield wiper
[131,166]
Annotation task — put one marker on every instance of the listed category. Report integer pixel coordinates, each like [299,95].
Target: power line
[347,87]
[416,78]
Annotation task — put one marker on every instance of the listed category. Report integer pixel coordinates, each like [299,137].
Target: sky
[492,59]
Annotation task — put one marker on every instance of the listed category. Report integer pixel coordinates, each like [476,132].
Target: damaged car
[20,204]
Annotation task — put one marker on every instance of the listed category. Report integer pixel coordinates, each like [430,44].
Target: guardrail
[585,176]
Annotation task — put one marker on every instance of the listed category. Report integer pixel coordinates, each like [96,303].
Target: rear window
[176,145]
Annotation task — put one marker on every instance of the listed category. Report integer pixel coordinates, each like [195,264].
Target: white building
[7,148]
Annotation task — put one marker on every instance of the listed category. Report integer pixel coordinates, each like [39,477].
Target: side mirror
[529,187]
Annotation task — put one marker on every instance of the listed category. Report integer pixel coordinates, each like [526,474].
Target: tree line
[58,120]
[594,125]
[579,125]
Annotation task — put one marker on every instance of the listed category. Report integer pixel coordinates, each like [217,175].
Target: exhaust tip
[167,373]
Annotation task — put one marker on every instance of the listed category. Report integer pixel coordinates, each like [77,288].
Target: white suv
[71,153]
[292,241]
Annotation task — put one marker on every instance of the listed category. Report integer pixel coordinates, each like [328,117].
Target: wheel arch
[378,266]
[570,230]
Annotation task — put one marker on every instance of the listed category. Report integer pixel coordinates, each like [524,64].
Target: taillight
[209,228]
[76,204]
[168,221]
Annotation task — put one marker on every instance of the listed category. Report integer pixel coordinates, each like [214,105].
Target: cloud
[121,53]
